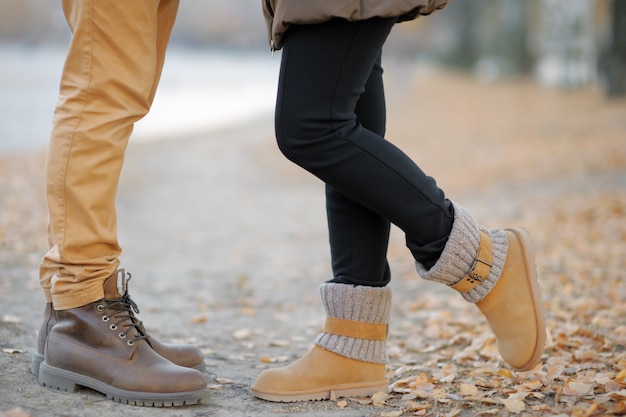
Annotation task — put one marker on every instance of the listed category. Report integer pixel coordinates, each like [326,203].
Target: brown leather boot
[49,320]
[349,358]
[180,354]
[103,346]
[185,355]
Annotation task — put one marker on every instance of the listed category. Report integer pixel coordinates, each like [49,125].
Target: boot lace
[122,311]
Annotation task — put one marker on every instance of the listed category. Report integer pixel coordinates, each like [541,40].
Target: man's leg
[108,83]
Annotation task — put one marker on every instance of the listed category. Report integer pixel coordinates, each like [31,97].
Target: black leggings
[330,120]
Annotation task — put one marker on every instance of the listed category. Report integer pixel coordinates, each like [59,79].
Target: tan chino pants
[108,83]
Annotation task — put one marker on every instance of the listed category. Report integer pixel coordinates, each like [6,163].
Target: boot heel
[359,391]
[54,379]
[35,363]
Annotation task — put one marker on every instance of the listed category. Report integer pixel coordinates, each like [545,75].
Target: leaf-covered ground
[512,153]
[554,163]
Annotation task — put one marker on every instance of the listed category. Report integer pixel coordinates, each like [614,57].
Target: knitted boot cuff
[460,251]
[358,303]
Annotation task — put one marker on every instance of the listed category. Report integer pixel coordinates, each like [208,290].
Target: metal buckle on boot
[473,274]
[480,268]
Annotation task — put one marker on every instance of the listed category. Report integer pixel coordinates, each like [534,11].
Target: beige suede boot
[349,356]
[496,270]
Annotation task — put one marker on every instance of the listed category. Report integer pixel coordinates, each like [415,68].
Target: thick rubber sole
[37,359]
[320,394]
[62,380]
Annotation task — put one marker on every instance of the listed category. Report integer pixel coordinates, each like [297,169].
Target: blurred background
[517,107]
[562,44]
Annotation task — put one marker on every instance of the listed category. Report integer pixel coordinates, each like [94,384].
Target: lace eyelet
[105,318]
[113,326]
[122,335]
[130,342]
[100,307]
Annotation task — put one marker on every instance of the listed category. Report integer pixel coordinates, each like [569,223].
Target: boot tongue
[116,285]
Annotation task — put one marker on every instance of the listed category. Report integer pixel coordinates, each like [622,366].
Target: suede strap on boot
[356,324]
[480,268]
[459,259]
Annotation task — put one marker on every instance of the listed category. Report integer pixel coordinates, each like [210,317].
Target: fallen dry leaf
[468,389]
[242,334]
[577,388]
[11,319]
[13,350]
[15,412]
[514,405]
[224,381]
[279,343]
[379,398]
[202,318]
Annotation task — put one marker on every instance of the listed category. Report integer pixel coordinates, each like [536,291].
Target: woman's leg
[325,70]
[330,120]
[359,237]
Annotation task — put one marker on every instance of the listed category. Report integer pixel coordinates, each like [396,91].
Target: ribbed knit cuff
[458,255]
[358,303]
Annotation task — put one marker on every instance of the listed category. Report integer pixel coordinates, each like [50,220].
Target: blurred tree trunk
[616,59]
[501,34]
[491,37]
[564,43]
